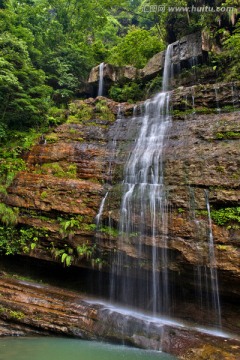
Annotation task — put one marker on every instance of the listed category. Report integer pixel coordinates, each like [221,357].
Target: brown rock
[30,308]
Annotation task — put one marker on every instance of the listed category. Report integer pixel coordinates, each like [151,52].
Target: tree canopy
[47,48]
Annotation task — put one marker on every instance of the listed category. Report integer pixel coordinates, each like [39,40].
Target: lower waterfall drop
[215,301]
[141,279]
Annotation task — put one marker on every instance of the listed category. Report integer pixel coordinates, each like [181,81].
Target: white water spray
[144,201]
[100,84]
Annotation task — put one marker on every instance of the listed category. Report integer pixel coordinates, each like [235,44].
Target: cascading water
[100,83]
[217,101]
[235,97]
[144,202]
[205,273]
[193,99]
[98,216]
[212,267]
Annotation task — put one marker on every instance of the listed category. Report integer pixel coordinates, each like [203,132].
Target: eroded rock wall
[33,309]
[68,177]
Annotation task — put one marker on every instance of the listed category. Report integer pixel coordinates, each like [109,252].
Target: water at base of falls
[43,348]
[144,211]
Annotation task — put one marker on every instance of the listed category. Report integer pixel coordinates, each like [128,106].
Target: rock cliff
[190,49]
[34,309]
[66,179]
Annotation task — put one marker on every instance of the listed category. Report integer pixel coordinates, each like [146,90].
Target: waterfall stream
[98,216]
[213,267]
[100,84]
[144,201]
[217,101]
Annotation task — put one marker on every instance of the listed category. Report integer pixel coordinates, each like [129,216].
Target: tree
[24,97]
[135,48]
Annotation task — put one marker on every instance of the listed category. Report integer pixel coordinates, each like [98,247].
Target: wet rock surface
[33,309]
[69,175]
[189,48]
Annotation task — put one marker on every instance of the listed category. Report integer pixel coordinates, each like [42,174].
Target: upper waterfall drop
[144,201]
[100,83]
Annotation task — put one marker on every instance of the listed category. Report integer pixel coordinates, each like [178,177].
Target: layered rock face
[34,309]
[190,48]
[83,159]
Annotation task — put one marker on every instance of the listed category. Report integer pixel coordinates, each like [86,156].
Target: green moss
[109,231]
[222,247]
[58,170]
[44,195]
[73,131]
[73,119]
[51,138]
[180,113]
[8,215]
[16,315]
[204,110]
[103,112]
[228,135]
[229,108]
[89,227]
[79,111]
[56,116]
[229,217]
[220,169]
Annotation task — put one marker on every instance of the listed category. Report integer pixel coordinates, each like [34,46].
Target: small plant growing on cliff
[128,92]
[229,217]
[29,238]
[51,138]
[8,215]
[109,231]
[85,250]
[44,195]
[59,170]
[66,255]
[79,111]
[103,112]
[228,135]
[226,215]
[17,315]
[68,227]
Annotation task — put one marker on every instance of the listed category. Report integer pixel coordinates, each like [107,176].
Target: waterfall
[235,99]
[217,101]
[144,202]
[193,99]
[213,267]
[100,84]
[100,211]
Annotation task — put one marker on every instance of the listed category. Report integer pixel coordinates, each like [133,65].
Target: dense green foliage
[135,48]
[229,217]
[47,49]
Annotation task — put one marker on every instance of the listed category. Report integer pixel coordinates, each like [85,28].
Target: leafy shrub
[136,48]
[226,215]
[8,215]
[103,112]
[130,92]
[79,111]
